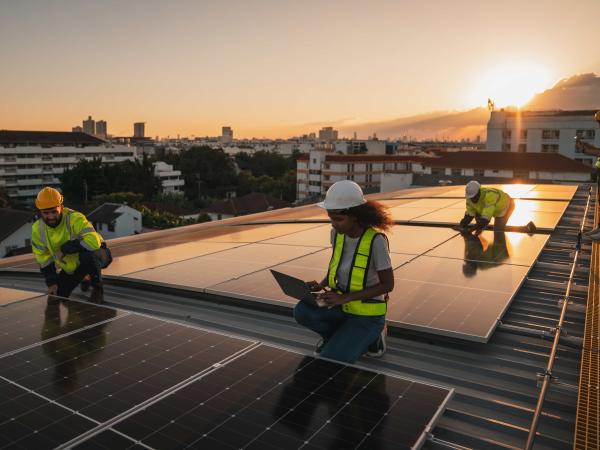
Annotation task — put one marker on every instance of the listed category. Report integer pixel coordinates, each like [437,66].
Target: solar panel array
[97,377]
[445,283]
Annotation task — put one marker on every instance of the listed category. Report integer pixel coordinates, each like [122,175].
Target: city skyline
[273,69]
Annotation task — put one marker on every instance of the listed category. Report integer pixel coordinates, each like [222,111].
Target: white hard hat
[342,195]
[472,189]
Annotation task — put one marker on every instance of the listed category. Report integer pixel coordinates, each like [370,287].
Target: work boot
[85,283]
[97,294]
[379,346]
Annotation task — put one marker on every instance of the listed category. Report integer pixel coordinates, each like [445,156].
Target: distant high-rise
[101,129]
[139,129]
[226,135]
[77,129]
[89,126]
[328,134]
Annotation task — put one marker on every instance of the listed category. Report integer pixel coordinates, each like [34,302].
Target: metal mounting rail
[547,376]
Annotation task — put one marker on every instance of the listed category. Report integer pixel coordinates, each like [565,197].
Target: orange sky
[272,68]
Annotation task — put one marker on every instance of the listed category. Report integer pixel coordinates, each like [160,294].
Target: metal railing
[547,376]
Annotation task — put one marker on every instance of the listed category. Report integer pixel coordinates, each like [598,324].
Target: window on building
[549,148]
[369,167]
[506,147]
[523,134]
[111,226]
[326,177]
[314,160]
[478,172]
[327,166]
[522,148]
[522,174]
[506,134]
[350,167]
[350,177]
[456,172]
[586,134]
[550,134]
[438,171]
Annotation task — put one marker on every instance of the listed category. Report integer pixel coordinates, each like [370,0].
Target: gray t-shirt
[380,260]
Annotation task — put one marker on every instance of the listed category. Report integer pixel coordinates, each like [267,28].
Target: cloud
[578,92]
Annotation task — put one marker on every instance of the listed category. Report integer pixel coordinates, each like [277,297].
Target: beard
[53,222]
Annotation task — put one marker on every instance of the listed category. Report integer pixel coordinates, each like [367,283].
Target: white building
[170,179]
[15,229]
[319,169]
[542,132]
[113,220]
[30,160]
[89,126]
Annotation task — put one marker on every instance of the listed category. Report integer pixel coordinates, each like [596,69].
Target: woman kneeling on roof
[351,321]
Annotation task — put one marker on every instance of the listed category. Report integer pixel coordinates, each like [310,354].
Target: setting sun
[512,84]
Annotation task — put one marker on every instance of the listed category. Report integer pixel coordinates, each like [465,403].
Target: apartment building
[319,169]
[170,179]
[542,132]
[30,160]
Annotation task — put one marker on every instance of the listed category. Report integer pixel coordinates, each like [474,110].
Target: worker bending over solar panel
[354,294]
[65,238]
[483,204]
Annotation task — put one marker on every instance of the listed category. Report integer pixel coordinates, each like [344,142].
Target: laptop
[296,288]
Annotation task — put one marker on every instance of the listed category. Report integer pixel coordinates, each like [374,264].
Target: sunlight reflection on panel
[490,247]
[212,269]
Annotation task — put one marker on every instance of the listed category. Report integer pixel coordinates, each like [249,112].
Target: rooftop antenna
[490,104]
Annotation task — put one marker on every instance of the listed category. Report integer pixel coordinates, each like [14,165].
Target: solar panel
[8,296]
[417,240]
[401,213]
[261,286]
[272,398]
[212,269]
[29,421]
[135,262]
[105,370]
[315,237]
[453,297]
[501,247]
[550,195]
[434,203]
[36,320]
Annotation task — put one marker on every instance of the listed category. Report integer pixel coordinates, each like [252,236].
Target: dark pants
[346,336]
[89,264]
[500,222]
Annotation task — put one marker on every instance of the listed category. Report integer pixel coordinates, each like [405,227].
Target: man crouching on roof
[65,238]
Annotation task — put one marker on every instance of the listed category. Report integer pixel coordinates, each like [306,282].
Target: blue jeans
[346,336]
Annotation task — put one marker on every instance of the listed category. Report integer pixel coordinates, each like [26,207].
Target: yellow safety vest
[598,163]
[492,203]
[358,274]
[46,241]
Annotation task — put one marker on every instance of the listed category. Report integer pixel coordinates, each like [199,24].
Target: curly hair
[371,214]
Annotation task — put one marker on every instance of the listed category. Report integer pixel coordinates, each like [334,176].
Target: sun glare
[512,84]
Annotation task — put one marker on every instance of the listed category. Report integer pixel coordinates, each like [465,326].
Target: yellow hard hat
[48,198]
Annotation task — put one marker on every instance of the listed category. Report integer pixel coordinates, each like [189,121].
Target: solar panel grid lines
[29,420]
[260,400]
[21,323]
[112,370]
[105,426]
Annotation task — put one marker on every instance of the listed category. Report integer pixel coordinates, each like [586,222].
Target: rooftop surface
[495,383]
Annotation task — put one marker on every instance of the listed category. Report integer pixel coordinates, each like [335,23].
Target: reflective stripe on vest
[69,262]
[358,274]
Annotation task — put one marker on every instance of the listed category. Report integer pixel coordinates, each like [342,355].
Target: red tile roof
[542,162]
